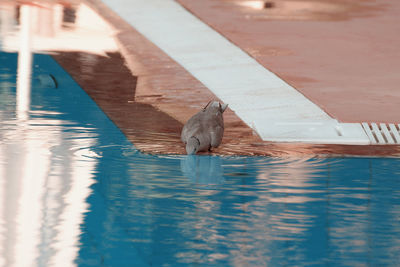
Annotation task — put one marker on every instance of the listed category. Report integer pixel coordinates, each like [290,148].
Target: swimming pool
[75,191]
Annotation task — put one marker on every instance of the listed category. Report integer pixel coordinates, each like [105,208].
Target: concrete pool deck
[170,89]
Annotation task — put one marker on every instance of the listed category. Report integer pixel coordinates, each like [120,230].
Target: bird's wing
[216,136]
[191,127]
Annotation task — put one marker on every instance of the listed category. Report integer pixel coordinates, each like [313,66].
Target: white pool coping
[273,108]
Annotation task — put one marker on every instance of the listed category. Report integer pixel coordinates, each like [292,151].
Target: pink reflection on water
[44,174]
[44,183]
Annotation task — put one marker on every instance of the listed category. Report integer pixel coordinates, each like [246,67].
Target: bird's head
[192,145]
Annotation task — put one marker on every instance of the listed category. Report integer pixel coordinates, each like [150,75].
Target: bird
[205,129]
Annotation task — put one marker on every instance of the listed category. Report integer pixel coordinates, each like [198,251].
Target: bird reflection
[203,169]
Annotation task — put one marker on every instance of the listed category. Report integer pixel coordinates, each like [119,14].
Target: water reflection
[48,27]
[44,181]
[45,190]
[205,170]
[55,26]
[296,212]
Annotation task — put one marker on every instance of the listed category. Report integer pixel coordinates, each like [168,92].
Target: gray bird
[205,129]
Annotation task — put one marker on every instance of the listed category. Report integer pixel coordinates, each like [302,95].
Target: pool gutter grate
[382,133]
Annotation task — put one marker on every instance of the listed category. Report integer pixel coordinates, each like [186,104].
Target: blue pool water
[74,190]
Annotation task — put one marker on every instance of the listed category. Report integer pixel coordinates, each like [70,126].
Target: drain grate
[382,133]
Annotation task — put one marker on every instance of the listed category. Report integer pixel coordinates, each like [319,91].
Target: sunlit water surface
[75,191]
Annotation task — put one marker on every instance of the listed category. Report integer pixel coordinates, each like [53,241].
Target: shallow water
[74,191]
